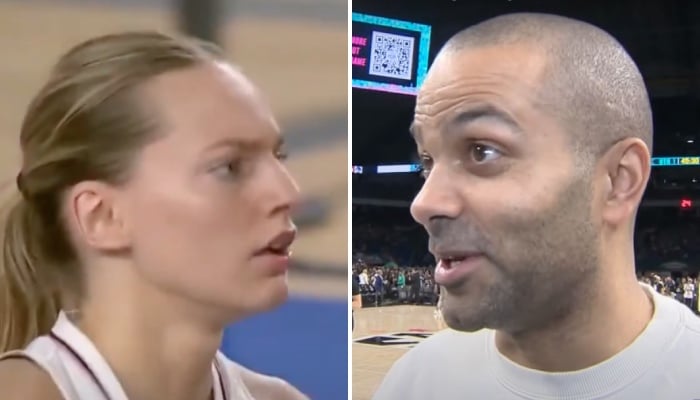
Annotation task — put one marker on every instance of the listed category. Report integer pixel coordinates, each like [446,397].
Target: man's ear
[627,166]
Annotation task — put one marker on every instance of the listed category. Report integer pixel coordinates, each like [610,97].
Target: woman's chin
[260,300]
[270,298]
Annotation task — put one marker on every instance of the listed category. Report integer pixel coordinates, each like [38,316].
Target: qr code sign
[392,55]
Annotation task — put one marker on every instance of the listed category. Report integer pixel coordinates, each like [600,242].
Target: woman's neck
[155,351]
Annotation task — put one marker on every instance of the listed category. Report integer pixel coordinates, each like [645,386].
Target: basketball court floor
[381,336]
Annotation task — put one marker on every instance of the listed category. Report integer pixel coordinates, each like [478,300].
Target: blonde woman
[154,211]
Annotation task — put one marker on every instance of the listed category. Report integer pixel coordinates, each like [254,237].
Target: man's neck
[154,354]
[594,331]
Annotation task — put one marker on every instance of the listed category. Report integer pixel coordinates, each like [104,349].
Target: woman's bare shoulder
[21,379]
[268,387]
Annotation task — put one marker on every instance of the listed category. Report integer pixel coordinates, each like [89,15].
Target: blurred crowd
[668,234]
[682,287]
[392,284]
[392,264]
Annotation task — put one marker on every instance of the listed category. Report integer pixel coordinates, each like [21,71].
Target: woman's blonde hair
[86,123]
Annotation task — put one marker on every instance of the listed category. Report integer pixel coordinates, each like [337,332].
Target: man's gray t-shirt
[663,363]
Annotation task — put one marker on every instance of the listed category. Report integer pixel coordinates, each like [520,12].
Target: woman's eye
[230,169]
[281,155]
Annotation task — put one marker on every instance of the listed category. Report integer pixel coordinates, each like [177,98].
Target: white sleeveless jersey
[81,373]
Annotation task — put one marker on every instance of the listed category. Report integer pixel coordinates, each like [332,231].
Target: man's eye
[481,153]
[426,165]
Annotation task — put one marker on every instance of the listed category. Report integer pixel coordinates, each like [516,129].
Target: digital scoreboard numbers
[389,55]
[656,162]
[685,161]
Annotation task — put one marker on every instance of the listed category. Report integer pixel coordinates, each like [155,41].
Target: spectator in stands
[401,292]
[378,284]
[688,292]
[356,300]
[364,278]
[401,280]
[415,282]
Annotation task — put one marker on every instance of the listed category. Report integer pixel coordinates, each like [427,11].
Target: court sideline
[381,336]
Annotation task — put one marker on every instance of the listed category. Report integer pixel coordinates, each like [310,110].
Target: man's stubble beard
[540,266]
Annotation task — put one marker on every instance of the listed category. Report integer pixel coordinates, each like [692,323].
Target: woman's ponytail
[29,300]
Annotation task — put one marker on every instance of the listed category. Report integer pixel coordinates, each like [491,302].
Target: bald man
[535,133]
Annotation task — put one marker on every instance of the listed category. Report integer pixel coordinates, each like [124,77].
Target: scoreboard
[656,162]
[685,161]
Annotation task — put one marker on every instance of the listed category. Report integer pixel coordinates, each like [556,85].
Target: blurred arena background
[296,51]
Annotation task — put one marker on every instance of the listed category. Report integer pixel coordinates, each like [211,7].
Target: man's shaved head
[534,132]
[590,82]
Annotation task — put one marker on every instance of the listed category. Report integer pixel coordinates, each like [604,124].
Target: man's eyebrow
[483,111]
[415,132]
[469,116]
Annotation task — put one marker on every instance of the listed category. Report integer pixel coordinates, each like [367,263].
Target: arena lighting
[686,203]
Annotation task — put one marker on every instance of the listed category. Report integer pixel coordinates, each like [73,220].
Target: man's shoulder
[447,341]
[685,323]
[673,309]
[691,330]
[442,358]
